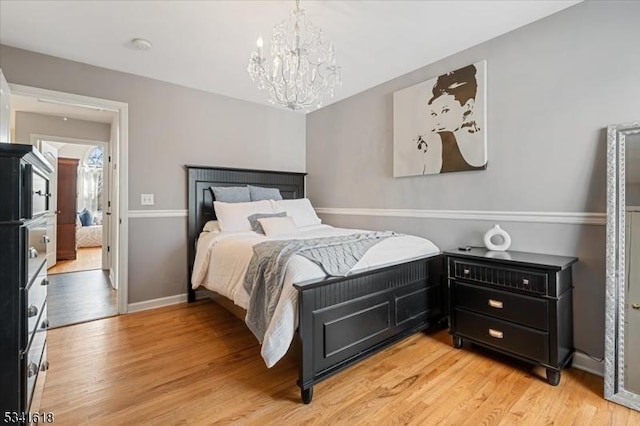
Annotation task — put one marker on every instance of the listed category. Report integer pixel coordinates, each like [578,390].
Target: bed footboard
[343,320]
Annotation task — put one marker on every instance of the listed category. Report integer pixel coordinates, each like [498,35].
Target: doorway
[78,264]
[112,257]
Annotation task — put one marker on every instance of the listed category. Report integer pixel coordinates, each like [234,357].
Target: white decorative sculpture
[497,239]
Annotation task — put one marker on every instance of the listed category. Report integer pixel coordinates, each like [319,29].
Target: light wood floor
[197,364]
[86,258]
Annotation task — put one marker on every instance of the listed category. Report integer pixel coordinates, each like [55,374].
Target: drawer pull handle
[44,366]
[33,253]
[32,311]
[465,271]
[45,239]
[495,303]
[32,369]
[495,333]
[635,306]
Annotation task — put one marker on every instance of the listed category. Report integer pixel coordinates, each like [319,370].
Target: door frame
[37,138]
[119,152]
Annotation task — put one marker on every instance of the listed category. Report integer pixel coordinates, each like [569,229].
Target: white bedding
[89,236]
[222,260]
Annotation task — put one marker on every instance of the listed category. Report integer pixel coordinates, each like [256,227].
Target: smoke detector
[140,44]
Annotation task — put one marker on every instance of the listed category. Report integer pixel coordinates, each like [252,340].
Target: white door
[107,209]
[110,228]
[50,152]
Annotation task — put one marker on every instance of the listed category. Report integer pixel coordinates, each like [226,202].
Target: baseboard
[585,363]
[157,303]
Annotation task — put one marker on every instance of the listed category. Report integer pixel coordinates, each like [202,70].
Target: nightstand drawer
[511,278]
[526,342]
[525,310]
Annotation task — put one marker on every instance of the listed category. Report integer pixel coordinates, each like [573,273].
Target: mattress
[89,236]
[222,260]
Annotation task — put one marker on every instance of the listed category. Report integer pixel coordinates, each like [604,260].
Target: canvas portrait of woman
[439,126]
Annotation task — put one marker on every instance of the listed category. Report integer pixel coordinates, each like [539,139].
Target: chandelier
[302,67]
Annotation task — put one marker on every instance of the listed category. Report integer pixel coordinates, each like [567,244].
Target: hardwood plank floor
[86,258]
[197,364]
[76,297]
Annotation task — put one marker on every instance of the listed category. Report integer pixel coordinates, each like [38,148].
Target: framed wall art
[440,126]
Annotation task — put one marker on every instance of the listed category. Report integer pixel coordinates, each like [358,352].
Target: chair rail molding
[571,218]
[140,214]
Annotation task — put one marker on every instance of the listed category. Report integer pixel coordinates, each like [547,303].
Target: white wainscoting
[571,218]
[140,214]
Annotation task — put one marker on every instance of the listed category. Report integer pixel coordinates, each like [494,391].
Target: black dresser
[514,302]
[24,207]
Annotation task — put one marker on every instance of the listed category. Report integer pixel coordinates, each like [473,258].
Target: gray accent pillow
[261,193]
[256,226]
[231,194]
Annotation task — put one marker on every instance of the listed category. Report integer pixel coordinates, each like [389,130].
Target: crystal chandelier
[302,67]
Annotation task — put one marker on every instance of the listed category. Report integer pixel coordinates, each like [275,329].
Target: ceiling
[206,44]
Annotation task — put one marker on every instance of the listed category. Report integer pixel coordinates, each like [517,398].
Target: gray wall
[632,170]
[553,87]
[632,194]
[28,123]
[169,126]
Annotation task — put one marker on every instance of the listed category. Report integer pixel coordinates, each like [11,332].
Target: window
[92,182]
[94,159]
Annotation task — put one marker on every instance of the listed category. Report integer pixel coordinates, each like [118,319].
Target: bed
[89,236]
[340,320]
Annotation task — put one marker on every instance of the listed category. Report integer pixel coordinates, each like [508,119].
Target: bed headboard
[200,198]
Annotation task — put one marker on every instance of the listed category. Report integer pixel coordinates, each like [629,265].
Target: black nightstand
[513,302]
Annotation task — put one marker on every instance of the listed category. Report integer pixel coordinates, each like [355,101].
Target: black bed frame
[341,320]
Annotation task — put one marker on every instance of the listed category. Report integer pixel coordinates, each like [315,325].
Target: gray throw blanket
[265,276]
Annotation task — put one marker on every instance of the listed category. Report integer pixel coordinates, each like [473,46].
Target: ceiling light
[302,67]
[140,44]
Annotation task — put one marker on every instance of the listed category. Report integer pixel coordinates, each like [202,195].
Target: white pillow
[211,226]
[300,210]
[232,217]
[277,226]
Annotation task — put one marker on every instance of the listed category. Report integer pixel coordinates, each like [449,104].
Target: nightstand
[513,302]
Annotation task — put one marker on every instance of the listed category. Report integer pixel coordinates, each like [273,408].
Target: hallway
[77,297]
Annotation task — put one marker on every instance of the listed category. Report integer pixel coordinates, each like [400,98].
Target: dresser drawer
[524,341]
[525,310]
[512,278]
[39,190]
[32,360]
[33,304]
[36,246]
[38,388]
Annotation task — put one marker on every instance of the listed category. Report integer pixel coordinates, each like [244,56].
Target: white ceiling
[206,44]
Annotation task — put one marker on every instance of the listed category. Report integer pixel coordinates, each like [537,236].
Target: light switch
[146,199]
